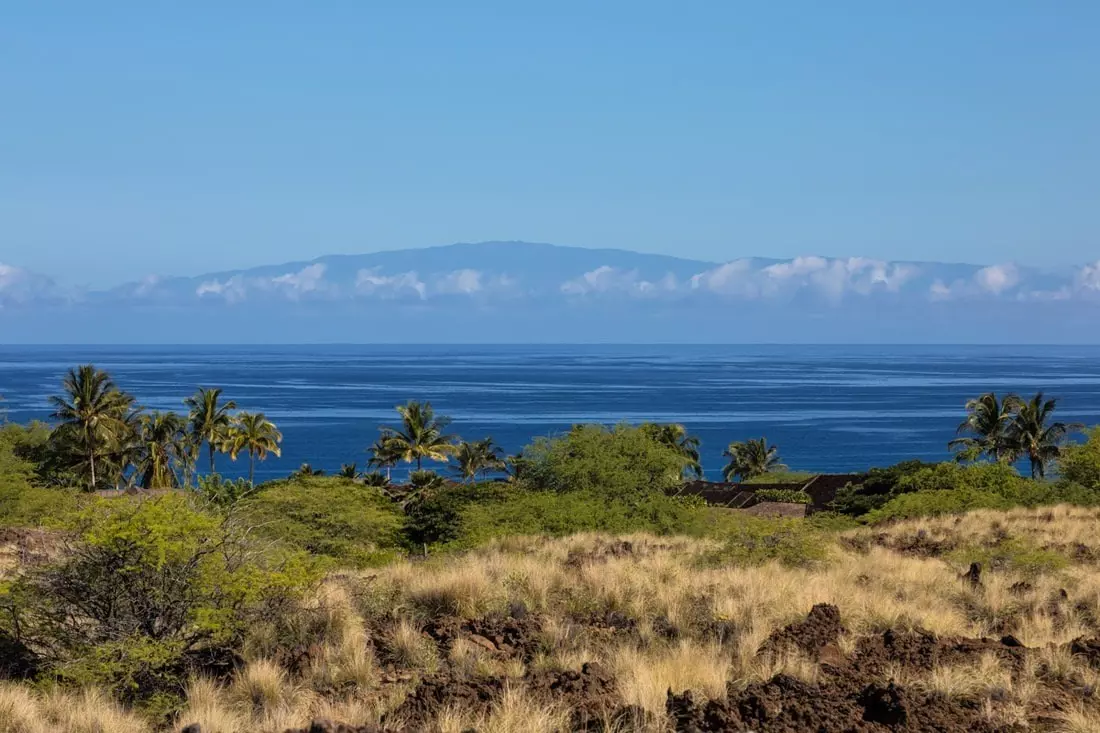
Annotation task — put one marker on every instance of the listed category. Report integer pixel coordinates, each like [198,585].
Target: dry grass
[368,649]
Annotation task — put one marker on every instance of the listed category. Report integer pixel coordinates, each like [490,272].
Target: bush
[1080,464]
[22,502]
[551,513]
[438,518]
[788,496]
[874,488]
[330,517]
[1013,554]
[748,540]
[152,588]
[936,502]
[615,462]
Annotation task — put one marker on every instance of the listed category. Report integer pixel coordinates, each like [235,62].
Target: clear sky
[183,138]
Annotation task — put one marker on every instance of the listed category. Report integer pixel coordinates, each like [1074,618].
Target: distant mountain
[517,291]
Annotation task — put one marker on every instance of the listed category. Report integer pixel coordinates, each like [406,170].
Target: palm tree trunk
[91,457]
[210,444]
[251,468]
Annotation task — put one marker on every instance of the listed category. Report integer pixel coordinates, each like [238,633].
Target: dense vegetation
[139,593]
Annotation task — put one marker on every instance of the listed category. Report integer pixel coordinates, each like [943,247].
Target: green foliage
[552,513]
[751,459]
[936,502]
[22,502]
[790,496]
[222,492]
[438,519]
[1013,554]
[617,463]
[329,517]
[948,488]
[781,477]
[874,488]
[748,540]
[152,586]
[1080,464]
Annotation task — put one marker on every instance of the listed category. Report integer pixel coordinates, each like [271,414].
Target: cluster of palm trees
[109,440]
[1012,429]
[422,437]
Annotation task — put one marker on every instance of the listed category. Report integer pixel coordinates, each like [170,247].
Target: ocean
[828,408]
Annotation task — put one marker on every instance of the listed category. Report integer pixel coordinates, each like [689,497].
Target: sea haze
[829,408]
[520,292]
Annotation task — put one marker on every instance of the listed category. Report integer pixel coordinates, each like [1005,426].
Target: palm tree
[676,437]
[254,433]
[382,455]
[750,459]
[422,485]
[987,423]
[306,471]
[163,448]
[421,436]
[350,471]
[93,410]
[1029,434]
[209,420]
[477,458]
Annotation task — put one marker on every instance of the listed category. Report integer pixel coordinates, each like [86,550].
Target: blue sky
[141,138]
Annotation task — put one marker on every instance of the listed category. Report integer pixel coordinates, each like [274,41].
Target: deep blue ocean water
[828,408]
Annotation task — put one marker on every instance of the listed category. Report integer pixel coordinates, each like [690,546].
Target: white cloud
[232,290]
[831,278]
[370,282]
[459,282]
[996,279]
[606,279]
[1088,277]
[309,279]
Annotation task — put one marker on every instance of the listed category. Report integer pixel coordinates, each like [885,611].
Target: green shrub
[936,502]
[1080,464]
[153,587]
[874,488]
[1013,554]
[788,496]
[615,462]
[438,518]
[552,513]
[330,517]
[749,540]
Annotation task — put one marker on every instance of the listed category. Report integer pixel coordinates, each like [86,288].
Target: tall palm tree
[477,459]
[420,436]
[1031,435]
[985,430]
[750,459]
[255,434]
[676,437]
[93,410]
[209,418]
[163,449]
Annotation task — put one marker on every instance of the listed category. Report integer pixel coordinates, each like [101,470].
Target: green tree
[1080,464]
[984,432]
[420,435]
[675,436]
[307,471]
[621,462]
[350,471]
[751,459]
[382,455]
[93,413]
[210,419]
[477,459]
[1032,435]
[255,434]
[163,450]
